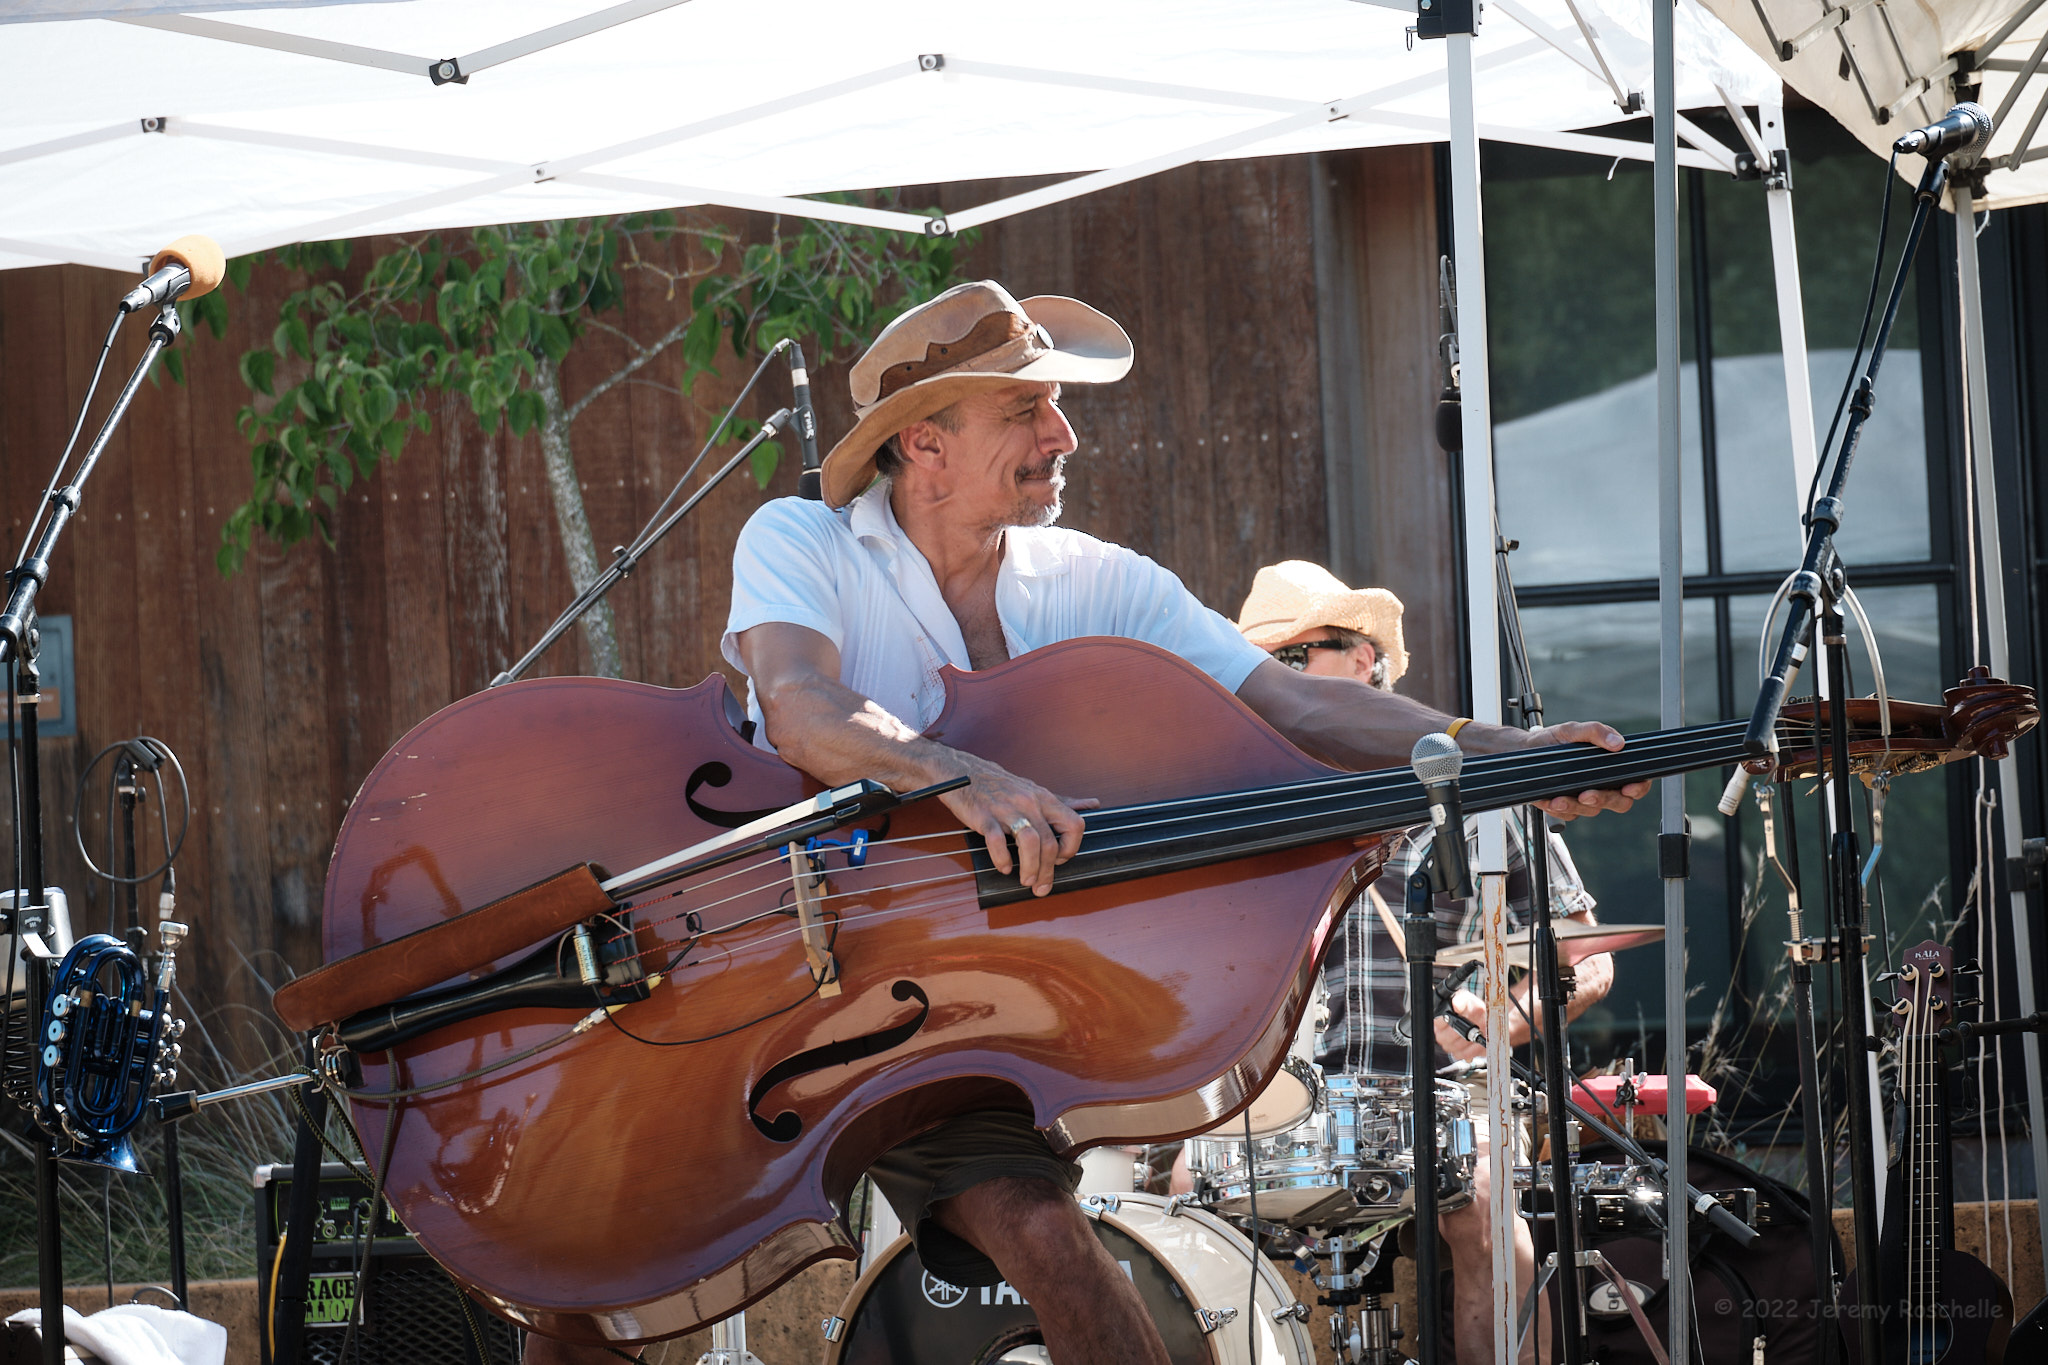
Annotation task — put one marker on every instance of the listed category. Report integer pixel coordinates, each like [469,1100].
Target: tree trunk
[600,639]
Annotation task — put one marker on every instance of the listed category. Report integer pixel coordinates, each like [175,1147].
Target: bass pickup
[595,965]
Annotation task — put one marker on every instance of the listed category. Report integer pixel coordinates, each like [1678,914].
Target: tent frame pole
[1977,436]
[1468,244]
[1672,841]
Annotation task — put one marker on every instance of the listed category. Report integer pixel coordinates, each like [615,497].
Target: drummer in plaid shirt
[1309,620]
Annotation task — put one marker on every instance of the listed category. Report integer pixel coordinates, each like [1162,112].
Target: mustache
[1049,469]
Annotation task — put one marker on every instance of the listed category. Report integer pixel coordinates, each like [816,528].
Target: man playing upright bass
[936,545]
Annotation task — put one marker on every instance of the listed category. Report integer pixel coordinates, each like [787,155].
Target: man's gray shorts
[951,1158]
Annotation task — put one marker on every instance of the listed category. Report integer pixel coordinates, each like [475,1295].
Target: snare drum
[1351,1163]
[1296,1090]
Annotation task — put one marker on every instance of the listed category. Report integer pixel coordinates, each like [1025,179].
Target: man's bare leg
[1469,1231]
[1039,1238]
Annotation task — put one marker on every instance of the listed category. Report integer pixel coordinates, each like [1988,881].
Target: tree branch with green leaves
[352,371]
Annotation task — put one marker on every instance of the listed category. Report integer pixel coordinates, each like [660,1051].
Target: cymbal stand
[1546,965]
[729,1343]
[1814,603]
[19,645]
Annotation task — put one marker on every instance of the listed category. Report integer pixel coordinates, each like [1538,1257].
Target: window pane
[1600,663]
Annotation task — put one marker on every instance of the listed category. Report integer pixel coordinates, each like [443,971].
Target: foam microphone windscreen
[1450,422]
[199,254]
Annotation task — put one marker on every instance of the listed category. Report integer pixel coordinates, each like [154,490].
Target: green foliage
[356,360]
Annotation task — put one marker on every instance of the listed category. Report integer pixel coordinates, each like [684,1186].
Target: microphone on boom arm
[811,482]
[187,268]
[1437,760]
[1962,131]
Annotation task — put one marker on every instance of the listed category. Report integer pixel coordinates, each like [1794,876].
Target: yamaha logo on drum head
[939,1294]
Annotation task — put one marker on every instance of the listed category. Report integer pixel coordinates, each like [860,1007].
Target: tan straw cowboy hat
[972,337]
[1294,596]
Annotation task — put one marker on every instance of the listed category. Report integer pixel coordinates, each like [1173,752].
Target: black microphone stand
[20,644]
[626,558]
[1419,925]
[1814,597]
[1546,963]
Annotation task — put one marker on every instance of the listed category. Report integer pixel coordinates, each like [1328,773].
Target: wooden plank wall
[281,686]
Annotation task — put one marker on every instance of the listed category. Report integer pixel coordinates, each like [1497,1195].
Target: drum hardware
[1371,1341]
[1624,1198]
[1212,1320]
[1095,1205]
[1348,1166]
[729,1343]
[1576,941]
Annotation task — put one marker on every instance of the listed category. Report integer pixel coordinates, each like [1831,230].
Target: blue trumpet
[107,1041]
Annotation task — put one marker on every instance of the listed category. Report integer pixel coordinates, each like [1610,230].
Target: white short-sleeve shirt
[855,578]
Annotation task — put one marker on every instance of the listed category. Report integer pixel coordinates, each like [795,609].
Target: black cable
[635,546]
[14,910]
[377,1172]
[1884,219]
[107,1226]
[36,521]
[392,1096]
[299,1103]
[1251,1296]
[613,1019]
[642,538]
[171,850]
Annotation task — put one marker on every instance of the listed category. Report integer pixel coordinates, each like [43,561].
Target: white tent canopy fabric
[1882,70]
[263,127]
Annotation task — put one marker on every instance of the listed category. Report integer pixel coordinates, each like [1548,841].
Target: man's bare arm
[837,735]
[1363,728]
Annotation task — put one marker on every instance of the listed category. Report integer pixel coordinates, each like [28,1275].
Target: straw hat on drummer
[1308,619]
[973,337]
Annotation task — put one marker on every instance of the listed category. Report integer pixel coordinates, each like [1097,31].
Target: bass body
[676,1158]
[620,1191]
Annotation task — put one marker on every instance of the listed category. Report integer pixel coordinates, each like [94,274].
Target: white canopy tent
[266,126]
[126,123]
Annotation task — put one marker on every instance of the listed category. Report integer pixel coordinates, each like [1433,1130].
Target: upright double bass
[622,1165]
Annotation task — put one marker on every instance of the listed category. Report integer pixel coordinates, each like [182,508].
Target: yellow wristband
[1457,725]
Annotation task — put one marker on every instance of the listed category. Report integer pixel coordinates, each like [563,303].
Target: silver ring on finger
[1020,824]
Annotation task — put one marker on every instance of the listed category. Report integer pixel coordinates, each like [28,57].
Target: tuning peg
[1969,966]
[1883,977]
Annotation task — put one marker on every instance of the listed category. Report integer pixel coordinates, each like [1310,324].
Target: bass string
[1269,803]
[780,880]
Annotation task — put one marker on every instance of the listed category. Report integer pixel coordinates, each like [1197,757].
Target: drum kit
[1320,1170]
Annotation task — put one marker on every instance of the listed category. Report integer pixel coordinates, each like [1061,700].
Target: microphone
[187,268]
[811,483]
[1437,760]
[1962,130]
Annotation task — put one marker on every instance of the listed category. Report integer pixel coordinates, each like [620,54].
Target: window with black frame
[1570,305]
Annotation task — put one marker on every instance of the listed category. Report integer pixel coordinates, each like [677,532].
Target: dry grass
[218,1148]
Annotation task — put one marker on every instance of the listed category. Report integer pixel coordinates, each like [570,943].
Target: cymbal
[1576,941]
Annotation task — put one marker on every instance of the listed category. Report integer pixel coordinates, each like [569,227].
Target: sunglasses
[1296,656]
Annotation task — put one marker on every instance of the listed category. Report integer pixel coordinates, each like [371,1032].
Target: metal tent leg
[1483,614]
[1976,386]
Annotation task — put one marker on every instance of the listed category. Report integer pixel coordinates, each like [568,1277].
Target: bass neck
[1127,843]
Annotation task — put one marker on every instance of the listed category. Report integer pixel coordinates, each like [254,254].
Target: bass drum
[1191,1268]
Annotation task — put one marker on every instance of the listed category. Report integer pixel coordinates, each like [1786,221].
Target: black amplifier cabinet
[412,1312]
